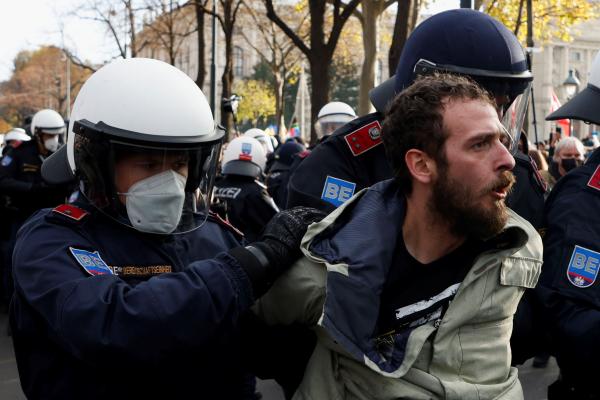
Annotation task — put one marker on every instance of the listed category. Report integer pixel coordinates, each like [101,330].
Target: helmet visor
[152,188]
[513,116]
[330,123]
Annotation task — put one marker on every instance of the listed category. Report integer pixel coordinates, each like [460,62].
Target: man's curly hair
[415,120]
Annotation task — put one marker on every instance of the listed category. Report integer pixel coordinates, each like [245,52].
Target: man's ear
[421,166]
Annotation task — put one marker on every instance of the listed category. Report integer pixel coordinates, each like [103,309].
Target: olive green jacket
[336,288]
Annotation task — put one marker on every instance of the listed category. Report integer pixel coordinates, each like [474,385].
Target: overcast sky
[28,24]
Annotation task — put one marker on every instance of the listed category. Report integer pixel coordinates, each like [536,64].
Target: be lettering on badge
[583,267]
[337,191]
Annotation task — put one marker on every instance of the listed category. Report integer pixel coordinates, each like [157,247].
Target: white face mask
[155,204]
[51,144]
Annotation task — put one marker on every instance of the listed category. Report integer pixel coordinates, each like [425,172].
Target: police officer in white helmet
[135,291]
[14,138]
[332,116]
[242,196]
[21,181]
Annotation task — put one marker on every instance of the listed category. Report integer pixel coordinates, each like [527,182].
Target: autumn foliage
[38,81]
[552,19]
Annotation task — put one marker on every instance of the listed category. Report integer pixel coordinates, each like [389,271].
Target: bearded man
[412,284]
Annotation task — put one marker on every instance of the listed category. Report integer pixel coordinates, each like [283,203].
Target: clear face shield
[153,188]
[328,124]
[512,116]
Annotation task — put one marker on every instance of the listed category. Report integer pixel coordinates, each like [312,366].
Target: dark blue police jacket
[102,311]
[569,287]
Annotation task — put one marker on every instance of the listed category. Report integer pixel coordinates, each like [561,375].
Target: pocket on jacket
[485,351]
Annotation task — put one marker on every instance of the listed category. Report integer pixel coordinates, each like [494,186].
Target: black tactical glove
[278,247]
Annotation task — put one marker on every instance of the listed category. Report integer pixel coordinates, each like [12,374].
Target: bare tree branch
[285,28]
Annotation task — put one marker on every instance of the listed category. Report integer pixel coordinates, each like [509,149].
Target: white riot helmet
[17,134]
[333,116]
[48,122]
[244,156]
[150,112]
[262,137]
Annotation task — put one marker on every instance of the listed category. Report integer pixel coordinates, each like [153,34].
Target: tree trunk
[131,16]
[279,101]
[320,60]
[227,85]
[371,10]
[401,32]
[201,75]
[414,15]
[319,95]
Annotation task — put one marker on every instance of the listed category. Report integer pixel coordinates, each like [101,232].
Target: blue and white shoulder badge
[583,267]
[91,262]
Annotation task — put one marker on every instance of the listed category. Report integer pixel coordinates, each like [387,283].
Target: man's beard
[454,202]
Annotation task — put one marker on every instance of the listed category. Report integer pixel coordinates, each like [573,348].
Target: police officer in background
[242,197]
[354,158]
[277,180]
[131,292]
[14,138]
[267,144]
[569,287]
[331,117]
[21,182]
[20,176]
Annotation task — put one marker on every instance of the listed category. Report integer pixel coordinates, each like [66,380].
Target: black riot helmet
[470,43]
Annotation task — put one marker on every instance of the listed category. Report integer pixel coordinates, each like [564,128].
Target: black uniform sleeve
[569,289]
[9,168]
[307,181]
[252,215]
[333,158]
[100,319]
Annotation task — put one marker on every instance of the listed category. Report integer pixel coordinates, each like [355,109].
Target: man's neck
[426,236]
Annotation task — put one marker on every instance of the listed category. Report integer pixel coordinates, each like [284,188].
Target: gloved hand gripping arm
[278,247]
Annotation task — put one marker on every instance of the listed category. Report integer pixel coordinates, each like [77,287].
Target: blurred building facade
[551,65]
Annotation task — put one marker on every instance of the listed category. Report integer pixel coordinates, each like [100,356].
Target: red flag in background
[554,105]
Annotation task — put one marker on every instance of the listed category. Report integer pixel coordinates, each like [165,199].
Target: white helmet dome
[244,155]
[16,134]
[143,99]
[332,116]
[47,121]
[262,137]
[142,108]
[337,108]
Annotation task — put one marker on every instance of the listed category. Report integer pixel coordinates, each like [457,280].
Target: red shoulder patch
[70,211]
[225,223]
[594,181]
[303,154]
[364,138]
